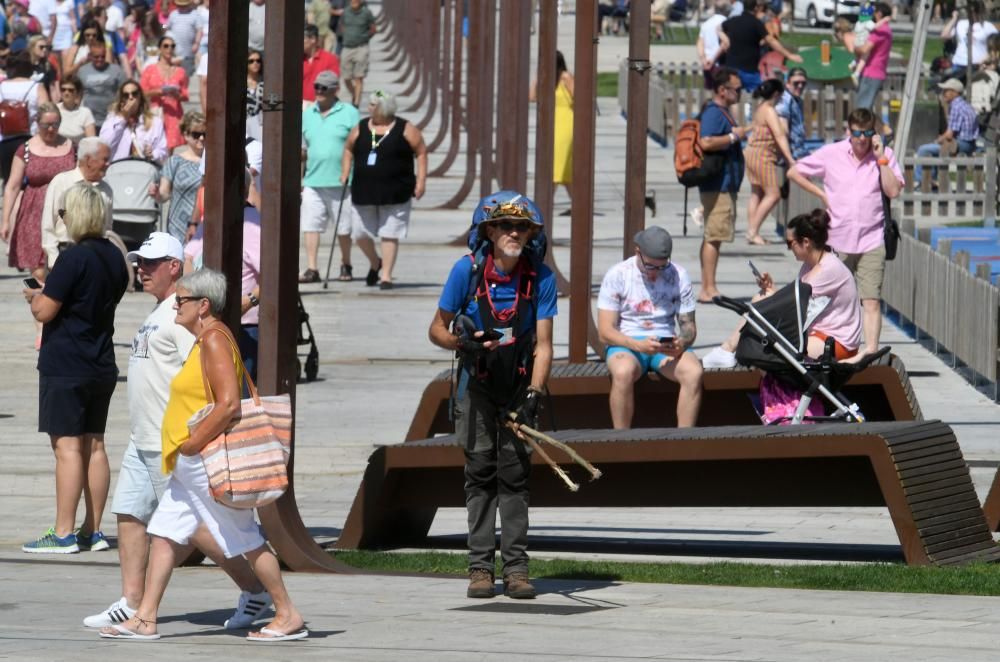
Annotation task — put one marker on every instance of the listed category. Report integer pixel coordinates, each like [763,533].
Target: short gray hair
[88,146]
[385,102]
[722,7]
[206,284]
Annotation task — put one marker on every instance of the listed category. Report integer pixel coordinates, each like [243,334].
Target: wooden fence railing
[677,92]
[961,187]
[959,310]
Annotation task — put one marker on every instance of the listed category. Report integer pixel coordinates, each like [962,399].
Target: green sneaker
[50,543]
[94,542]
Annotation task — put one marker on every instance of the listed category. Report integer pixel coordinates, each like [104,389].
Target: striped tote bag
[247,465]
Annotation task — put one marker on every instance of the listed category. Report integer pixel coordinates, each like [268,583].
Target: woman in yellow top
[187,503]
[562,156]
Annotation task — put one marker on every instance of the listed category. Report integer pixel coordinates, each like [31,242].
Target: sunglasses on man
[867,133]
[324,88]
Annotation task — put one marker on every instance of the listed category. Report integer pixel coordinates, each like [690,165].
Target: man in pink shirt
[876,52]
[854,172]
[315,60]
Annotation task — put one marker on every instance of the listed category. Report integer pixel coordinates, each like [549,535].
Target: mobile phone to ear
[32,283]
[666,339]
[753,268]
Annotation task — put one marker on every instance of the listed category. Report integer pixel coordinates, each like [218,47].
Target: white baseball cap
[158,245]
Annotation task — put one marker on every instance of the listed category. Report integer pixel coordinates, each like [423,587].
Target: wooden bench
[915,469]
[579,399]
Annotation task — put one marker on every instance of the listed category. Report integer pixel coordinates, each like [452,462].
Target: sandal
[372,278]
[757,240]
[309,276]
[346,273]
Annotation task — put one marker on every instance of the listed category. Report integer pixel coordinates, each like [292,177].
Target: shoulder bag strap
[224,330]
[30,87]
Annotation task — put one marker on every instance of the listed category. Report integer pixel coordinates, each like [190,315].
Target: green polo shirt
[323,138]
[355,26]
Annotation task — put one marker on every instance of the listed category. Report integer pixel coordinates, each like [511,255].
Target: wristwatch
[254,301]
[883,161]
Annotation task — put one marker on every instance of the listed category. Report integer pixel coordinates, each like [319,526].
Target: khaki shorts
[720,215]
[868,269]
[354,62]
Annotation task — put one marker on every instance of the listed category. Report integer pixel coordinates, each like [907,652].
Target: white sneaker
[719,358]
[249,608]
[117,612]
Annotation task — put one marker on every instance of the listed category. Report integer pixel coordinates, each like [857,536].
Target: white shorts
[187,503]
[383,221]
[141,483]
[319,207]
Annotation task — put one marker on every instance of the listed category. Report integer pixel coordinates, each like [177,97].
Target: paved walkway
[375,361]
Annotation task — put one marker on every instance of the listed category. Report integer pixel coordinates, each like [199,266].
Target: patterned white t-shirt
[646,308]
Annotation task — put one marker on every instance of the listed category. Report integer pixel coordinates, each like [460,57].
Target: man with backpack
[720,139]
[501,299]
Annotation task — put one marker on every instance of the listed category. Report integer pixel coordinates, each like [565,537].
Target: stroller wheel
[312,365]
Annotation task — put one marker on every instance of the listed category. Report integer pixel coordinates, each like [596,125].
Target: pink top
[853,190]
[251,260]
[878,57]
[841,319]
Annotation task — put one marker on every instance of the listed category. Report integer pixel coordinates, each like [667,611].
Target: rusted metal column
[455,104]
[416,43]
[485,84]
[545,111]
[584,123]
[635,127]
[472,102]
[432,64]
[512,102]
[444,81]
[224,159]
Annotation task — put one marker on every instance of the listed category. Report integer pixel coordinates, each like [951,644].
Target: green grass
[607,83]
[895,578]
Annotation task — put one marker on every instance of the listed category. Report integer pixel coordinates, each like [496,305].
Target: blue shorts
[647,362]
[750,80]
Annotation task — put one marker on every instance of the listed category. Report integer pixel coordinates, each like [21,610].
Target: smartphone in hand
[755,270]
[489,334]
[32,283]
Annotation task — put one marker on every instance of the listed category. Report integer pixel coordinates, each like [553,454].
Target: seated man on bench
[646,318]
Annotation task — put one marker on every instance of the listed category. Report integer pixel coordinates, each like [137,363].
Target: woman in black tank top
[383,148]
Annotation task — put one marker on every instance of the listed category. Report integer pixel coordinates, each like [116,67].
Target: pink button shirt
[853,191]
[878,58]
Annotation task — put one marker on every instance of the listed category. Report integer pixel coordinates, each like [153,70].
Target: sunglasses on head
[867,133]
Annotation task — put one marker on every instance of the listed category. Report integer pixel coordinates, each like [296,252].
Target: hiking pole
[595,473]
[573,487]
[333,246]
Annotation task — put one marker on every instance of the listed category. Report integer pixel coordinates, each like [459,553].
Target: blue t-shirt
[89,280]
[456,291]
[715,123]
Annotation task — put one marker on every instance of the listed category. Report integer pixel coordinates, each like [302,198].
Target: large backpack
[693,165]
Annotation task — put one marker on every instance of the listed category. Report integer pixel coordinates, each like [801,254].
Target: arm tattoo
[687,330]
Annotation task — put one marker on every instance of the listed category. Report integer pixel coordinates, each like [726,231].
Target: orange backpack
[692,164]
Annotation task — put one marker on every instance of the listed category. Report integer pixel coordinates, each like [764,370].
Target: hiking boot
[517,586]
[50,543]
[92,542]
[480,583]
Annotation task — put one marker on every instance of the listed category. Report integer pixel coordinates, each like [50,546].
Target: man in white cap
[645,315]
[159,349]
[325,127]
[962,131]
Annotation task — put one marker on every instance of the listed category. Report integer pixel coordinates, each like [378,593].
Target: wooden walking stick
[595,473]
[573,487]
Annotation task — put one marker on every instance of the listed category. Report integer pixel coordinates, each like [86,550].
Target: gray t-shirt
[100,88]
[355,26]
[256,32]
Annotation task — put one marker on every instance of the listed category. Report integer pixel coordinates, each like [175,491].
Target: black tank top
[391,179]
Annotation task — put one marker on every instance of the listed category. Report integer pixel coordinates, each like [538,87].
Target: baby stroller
[774,340]
[306,337]
[135,212]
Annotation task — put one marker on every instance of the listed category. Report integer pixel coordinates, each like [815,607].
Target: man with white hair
[92,159]
[159,349]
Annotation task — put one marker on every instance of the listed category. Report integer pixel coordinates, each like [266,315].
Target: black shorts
[71,406]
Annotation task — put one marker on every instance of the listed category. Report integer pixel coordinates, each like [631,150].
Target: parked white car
[823,12]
